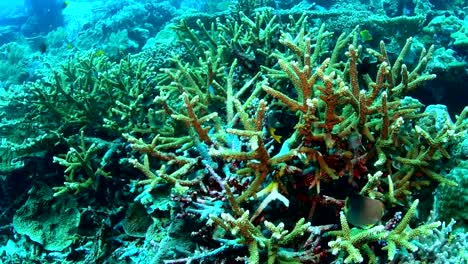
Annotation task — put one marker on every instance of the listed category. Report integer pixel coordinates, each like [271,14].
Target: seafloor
[234,131]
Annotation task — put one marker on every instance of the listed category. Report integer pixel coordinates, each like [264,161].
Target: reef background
[233,131]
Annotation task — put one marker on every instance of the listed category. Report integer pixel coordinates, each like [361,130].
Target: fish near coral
[365,35]
[99,53]
[363,211]
[275,136]
[65,4]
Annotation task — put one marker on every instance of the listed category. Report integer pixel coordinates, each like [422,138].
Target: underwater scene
[237,131]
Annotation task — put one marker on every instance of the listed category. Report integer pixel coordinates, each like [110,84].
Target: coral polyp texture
[259,136]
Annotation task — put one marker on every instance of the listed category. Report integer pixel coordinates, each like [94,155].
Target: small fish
[363,211]
[277,138]
[42,47]
[99,53]
[355,141]
[211,90]
[65,4]
[365,35]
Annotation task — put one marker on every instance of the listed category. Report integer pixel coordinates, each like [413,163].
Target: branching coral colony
[345,132]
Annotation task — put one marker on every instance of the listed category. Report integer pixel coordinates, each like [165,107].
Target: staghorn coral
[345,124]
[85,90]
[80,159]
[90,91]
[248,143]
[444,245]
[355,240]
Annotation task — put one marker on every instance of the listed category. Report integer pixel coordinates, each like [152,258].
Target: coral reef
[445,245]
[50,223]
[329,108]
[252,135]
[348,239]
[448,208]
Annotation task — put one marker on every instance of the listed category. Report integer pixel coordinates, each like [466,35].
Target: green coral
[450,201]
[356,241]
[90,90]
[241,226]
[82,171]
[266,111]
[48,221]
[216,105]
